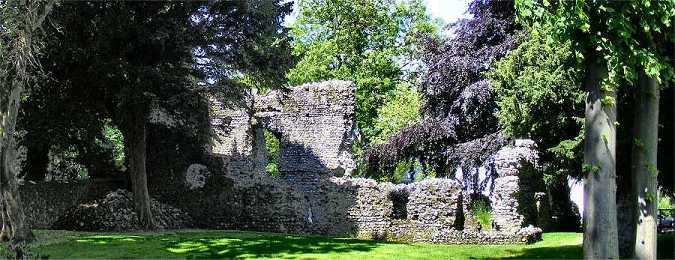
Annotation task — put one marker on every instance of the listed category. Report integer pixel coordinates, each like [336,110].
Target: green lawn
[231,244]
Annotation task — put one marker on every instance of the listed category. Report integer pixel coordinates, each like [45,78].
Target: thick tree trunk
[600,235]
[643,168]
[134,140]
[9,187]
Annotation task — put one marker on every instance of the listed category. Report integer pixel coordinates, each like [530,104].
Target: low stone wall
[45,202]
[417,232]
[426,211]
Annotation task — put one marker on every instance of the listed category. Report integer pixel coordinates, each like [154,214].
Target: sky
[447,10]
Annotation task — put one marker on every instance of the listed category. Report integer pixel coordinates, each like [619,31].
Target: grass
[483,214]
[194,244]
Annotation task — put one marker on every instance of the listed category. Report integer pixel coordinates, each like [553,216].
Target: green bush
[483,213]
[114,141]
[272,146]
[666,203]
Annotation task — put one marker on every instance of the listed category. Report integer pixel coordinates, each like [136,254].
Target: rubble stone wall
[314,123]
[46,202]
[516,198]
[314,193]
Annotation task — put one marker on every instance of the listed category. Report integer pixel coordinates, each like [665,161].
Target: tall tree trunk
[19,231]
[600,235]
[8,184]
[26,17]
[643,168]
[134,140]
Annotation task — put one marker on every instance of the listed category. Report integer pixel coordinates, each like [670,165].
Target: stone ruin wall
[314,193]
[314,123]
[518,197]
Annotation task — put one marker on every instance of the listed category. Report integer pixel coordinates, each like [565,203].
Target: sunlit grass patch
[252,245]
[106,239]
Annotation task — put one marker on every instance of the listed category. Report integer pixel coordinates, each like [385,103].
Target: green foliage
[627,36]
[483,213]
[272,148]
[402,170]
[370,42]
[666,202]
[115,142]
[65,166]
[538,91]
[402,109]
[106,59]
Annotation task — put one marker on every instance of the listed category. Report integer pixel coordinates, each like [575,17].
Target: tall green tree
[618,41]
[458,128]
[134,58]
[537,89]
[370,42]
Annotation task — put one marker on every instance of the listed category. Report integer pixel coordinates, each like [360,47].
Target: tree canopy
[370,42]
[458,110]
[538,91]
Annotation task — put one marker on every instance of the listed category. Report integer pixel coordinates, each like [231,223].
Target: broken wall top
[314,123]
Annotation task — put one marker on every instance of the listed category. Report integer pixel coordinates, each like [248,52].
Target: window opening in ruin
[399,200]
[480,207]
[272,147]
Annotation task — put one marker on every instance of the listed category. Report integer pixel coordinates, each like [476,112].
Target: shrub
[483,213]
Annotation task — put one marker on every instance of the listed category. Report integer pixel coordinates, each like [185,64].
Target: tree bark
[6,232]
[600,235]
[8,185]
[135,143]
[643,168]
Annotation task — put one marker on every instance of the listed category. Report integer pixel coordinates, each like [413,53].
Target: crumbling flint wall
[314,193]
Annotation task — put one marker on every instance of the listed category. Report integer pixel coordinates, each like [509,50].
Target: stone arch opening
[399,199]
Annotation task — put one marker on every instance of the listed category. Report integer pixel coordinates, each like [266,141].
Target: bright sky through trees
[447,10]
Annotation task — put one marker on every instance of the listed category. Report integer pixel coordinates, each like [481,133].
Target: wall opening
[399,200]
[480,206]
[272,145]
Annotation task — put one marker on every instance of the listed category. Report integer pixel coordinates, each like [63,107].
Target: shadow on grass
[274,247]
[231,246]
